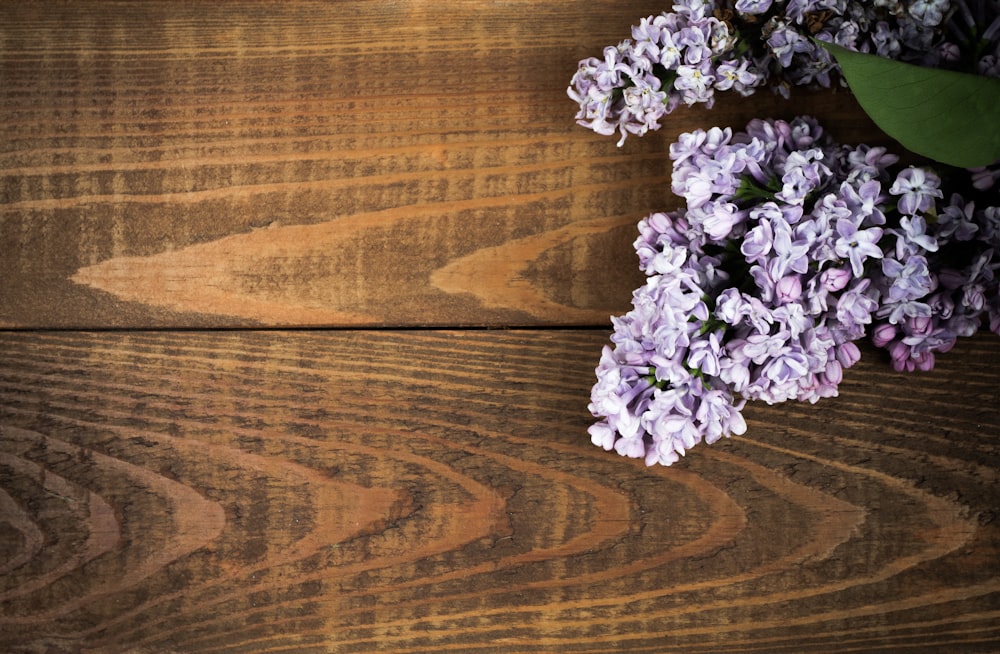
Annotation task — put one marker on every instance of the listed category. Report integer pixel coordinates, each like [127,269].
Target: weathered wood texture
[182,165]
[340,163]
[435,491]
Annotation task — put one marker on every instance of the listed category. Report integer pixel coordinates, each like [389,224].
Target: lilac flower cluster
[963,282]
[681,56]
[789,250]
[702,46]
[958,35]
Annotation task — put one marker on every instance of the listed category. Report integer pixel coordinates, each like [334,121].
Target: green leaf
[947,116]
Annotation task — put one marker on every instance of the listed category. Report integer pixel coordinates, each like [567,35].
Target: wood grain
[420,491]
[235,164]
[173,173]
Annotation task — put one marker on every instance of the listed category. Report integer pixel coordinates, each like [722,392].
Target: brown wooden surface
[173,173]
[435,491]
[343,163]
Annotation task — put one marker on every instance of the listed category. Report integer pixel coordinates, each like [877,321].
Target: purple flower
[644,102]
[791,253]
[704,353]
[884,334]
[759,240]
[886,41]
[785,42]
[857,244]
[631,446]
[990,222]
[834,279]
[720,219]
[792,317]
[730,306]
[902,311]
[649,36]
[868,163]
[864,201]
[957,220]
[766,278]
[788,289]
[602,435]
[760,285]
[985,178]
[752,6]
[689,144]
[694,54]
[912,237]
[720,416]
[918,188]
[855,307]
[711,171]
[928,12]
[908,281]
[848,354]
[904,358]
[738,75]
[695,81]
[761,347]
[788,366]
[803,173]
[814,65]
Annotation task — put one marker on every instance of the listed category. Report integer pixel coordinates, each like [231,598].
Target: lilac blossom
[687,55]
[697,345]
[857,245]
[789,248]
[756,292]
[917,188]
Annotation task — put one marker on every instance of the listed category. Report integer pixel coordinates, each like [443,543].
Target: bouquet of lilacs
[791,248]
[685,56]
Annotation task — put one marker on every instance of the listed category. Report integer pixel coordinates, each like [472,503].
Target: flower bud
[949,52]
[900,353]
[833,373]
[788,289]
[920,325]
[848,354]
[883,334]
[835,279]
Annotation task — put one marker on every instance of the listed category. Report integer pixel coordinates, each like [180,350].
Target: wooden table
[301,304]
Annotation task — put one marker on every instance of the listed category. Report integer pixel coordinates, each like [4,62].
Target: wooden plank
[436,491]
[342,163]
